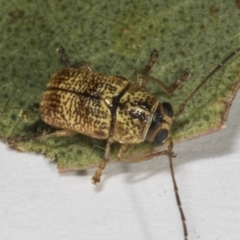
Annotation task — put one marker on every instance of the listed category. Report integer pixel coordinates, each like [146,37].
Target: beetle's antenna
[183,104]
[185,232]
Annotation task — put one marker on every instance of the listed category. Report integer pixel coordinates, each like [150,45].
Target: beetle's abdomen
[81,101]
[134,115]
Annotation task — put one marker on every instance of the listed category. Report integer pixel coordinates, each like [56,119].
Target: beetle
[79,100]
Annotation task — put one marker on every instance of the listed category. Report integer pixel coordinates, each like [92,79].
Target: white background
[133,201]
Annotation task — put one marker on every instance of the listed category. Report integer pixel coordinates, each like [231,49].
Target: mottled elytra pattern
[81,101]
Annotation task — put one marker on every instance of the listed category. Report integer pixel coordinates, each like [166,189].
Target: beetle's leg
[33,107]
[144,76]
[123,150]
[29,111]
[98,173]
[122,155]
[184,76]
[144,71]
[59,133]
[61,52]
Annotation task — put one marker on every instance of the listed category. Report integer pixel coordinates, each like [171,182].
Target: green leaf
[117,38]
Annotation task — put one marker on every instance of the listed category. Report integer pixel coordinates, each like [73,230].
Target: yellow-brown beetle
[79,100]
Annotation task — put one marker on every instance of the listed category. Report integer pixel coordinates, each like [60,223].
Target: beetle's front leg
[97,176]
[184,76]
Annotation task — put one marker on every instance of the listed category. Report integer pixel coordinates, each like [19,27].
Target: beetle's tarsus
[154,55]
[185,75]
[97,176]
[11,141]
[152,60]
[61,52]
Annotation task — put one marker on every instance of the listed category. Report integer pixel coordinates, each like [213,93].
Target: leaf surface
[116,37]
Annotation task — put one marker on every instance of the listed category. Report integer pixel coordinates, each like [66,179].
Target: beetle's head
[160,126]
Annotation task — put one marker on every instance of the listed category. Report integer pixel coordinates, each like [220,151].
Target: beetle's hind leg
[145,71]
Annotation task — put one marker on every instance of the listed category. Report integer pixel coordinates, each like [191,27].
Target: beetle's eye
[160,137]
[167,107]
